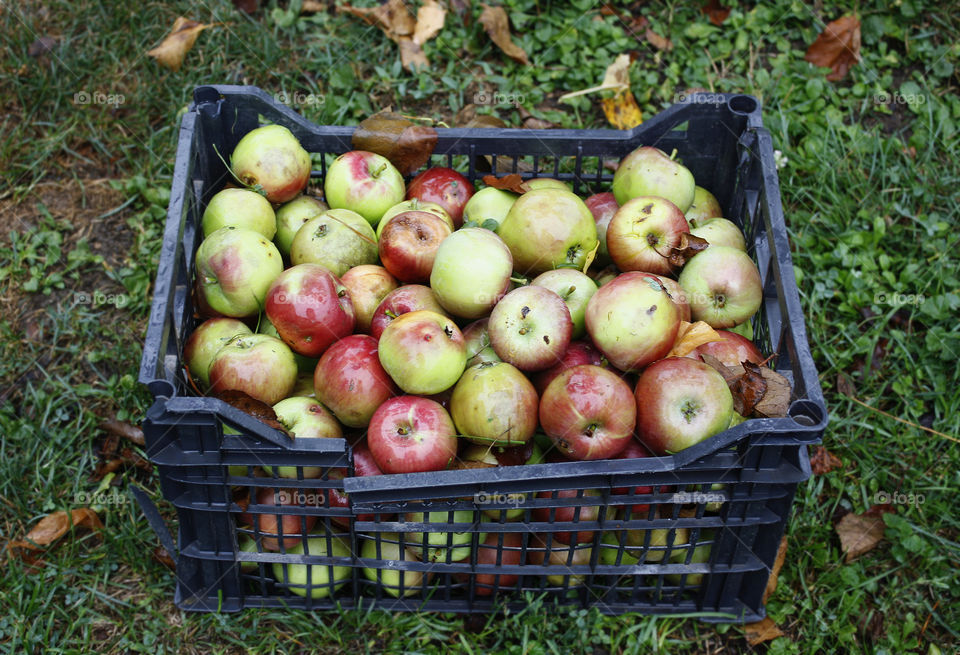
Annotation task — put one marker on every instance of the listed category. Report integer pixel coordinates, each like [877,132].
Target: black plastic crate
[721,506]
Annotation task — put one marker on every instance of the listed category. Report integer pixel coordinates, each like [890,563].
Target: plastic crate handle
[156,521]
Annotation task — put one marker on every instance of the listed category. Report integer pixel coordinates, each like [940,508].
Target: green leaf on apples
[490,224]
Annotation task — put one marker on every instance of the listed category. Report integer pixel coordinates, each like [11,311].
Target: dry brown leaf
[859,534]
[748,390]
[773,403]
[715,12]
[406,145]
[313,7]
[395,19]
[53,526]
[776,401]
[823,461]
[430,19]
[688,246]
[657,41]
[161,555]
[622,110]
[729,373]
[247,6]
[512,182]
[125,430]
[775,571]
[177,43]
[692,335]
[837,47]
[497,27]
[845,386]
[761,631]
[255,408]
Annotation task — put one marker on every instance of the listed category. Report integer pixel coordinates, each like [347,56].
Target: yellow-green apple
[677,295]
[291,216]
[304,364]
[423,352]
[558,561]
[471,272]
[723,286]
[575,288]
[367,286]
[304,418]
[279,530]
[632,320]
[643,233]
[530,328]
[407,298]
[494,403]
[719,232]
[588,412]
[603,206]
[414,205]
[648,171]
[577,353]
[364,182]
[310,308]
[304,386]
[732,351]
[396,582]
[445,187]
[271,161]
[261,366]
[235,267]
[477,340]
[409,244]
[444,547]
[546,183]
[680,402]
[704,206]
[351,382]
[604,275]
[239,208]
[489,204]
[546,229]
[205,342]
[700,555]
[579,512]
[642,546]
[315,580]
[338,239]
[410,434]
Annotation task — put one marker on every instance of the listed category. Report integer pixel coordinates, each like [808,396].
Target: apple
[367,285]
[304,418]
[648,171]
[704,206]
[304,386]
[723,286]
[490,455]
[423,352]
[261,366]
[445,547]
[642,546]
[408,434]
[732,351]
[271,161]
[246,544]
[363,465]
[414,205]
[530,328]
[239,208]
[337,239]
[720,232]
[546,183]
[310,308]
[632,320]
[604,275]
[408,298]
[546,229]
[677,295]
[579,513]
[205,342]
[497,549]
[351,382]
[700,555]
[634,450]
[471,272]
[575,288]
[577,353]
[291,216]
[235,267]
[396,582]
[603,206]
[494,403]
[559,559]
[279,531]
[315,580]
[489,204]
[588,412]
[409,244]
[680,402]
[643,233]
[476,338]
[445,187]
[363,182]
[304,364]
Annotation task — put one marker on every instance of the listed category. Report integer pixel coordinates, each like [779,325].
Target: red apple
[530,328]
[494,403]
[444,186]
[310,308]
[363,465]
[577,353]
[367,286]
[271,161]
[498,549]
[408,298]
[261,366]
[351,382]
[409,244]
[408,434]
[643,233]
[423,352]
[292,527]
[582,513]
[732,351]
[603,206]
[635,450]
[205,342]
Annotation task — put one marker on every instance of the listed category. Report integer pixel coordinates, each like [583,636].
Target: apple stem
[673,154]
[523,281]
[381,168]
[390,314]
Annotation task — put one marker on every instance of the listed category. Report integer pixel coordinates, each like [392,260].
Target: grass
[869,189]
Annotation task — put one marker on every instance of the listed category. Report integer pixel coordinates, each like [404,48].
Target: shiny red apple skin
[603,206]
[363,465]
[409,434]
[635,450]
[409,244]
[408,298]
[310,308]
[567,514]
[259,365]
[444,186]
[578,352]
[732,351]
[350,381]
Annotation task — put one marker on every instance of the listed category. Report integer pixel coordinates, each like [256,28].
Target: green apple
[494,403]
[235,267]
[304,364]
[317,580]
[701,555]
[271,161]
[642,546]
[704,206]
[239,208]
[291,216]
[723,286]
[575,288]
[546,183]
[423,352]
[304,418]
[442,546]
[719,232]
[488,204]
[471,272]
[394,581]
[648,171]
[338,239]
[205,342]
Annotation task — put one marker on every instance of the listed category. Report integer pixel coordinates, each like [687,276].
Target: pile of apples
[439,327]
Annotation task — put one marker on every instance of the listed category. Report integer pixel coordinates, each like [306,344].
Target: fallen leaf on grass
[468,117]
[845,386]
[512,182]
[161,555]
[124,429]
[761,631]
[430,19]
[497,27]
[395,19]
[859,533]
[837,47]
[177,43]
[406,145]
[775,570]
[249,405]
[53,526]
[823,461]
[531,122]
[688,246]
[715,12]
[690,336]
[657,41]
[622,110]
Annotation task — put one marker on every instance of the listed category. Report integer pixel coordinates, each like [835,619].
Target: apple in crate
[351,382]
[643,233]
[408,434]
[405,299]
[603,206]
[632,320]
[575,288]
[235,267]
[271,161]
[337,239]
[641,546]
[290,218]
[494,403]
[363,465]
[579,513]
[634,450]
[732,351]
[414,205]
[409,244]
[558,560]
[704,206]
[445,187]
[471,272]
[317,580]
[719,232]
[530,328]
[547,229]
[476,337]
[680,402]
[310,308]
[396,582]
[304,364]
[577,353]
[443,547]
[364,182]
[423,352]
[648,171]
[588,412]
[279,531]
[205,342]
[304,418]
[489,204]
[239,208]
[497,549]
[723,286]
[546,183]
[367,286]
[677,295]
[261,366]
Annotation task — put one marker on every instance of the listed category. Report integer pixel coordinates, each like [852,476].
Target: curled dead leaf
[745,387]
[497,26]
[178,42]
[124,429]
[430,19]
[837,47]
[776,401]
[657,41]
[715,12]
[823,461]
[512,182]
[161,555]
[406,145]
[749,389]
[692,335]
[397,21]
[761,631]
[859,534]
[53,526]
[255,408]
[688,246]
